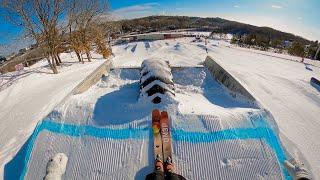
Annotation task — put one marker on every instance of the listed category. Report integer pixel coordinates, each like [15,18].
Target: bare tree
[40,19]
[98,36]
[82,16]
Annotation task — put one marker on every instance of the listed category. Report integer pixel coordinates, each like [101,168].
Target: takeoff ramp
[106,132]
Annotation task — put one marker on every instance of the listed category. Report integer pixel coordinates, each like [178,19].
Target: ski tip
[156,121]
[164,115]
[155,112]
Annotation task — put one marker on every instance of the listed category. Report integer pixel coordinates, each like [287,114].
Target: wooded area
[244,34]
[60,25]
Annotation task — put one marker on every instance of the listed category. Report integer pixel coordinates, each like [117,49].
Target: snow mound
[160,85]
[155,69]
[156,80]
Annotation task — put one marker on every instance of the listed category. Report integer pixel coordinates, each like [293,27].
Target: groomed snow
[283,87]
[279,82]
[29,95]
[106,131]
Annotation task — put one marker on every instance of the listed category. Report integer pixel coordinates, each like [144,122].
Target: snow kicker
[213,136]
[156,80]
[224,77]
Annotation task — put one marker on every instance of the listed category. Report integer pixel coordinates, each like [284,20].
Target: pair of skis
[162,140]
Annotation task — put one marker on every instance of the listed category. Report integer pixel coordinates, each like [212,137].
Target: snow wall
[236,88]
[225,78]
[93,78]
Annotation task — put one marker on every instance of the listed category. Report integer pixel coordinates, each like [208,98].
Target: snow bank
[221,75]
[282,87]
[31,94]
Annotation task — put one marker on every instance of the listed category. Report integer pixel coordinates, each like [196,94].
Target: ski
[166,138]
[157,142]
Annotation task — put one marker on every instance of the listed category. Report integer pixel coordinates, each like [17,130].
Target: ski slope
[105,131]
[27,96]
[283,87]
[179,52]
[280,82]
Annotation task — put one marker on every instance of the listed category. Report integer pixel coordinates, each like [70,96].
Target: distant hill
[156,23]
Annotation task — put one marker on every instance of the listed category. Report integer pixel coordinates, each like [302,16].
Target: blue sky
[300,17]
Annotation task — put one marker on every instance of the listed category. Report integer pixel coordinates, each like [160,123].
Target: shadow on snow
[120,107]
[14,168]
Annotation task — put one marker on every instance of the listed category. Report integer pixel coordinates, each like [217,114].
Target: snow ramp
[106,133]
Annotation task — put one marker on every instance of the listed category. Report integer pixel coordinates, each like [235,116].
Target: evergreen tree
[297,49]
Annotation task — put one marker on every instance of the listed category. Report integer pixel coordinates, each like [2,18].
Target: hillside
[86,126]
[160,23]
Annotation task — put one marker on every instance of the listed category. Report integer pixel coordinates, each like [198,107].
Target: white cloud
[236,6]
[276,7]
[135,11]
[136,8]
[282,24]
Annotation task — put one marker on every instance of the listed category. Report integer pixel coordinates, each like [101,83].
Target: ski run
[107,132]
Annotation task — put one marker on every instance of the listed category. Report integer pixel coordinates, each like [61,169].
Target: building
[22,51]
[151,36]
[2,59]
[287,43]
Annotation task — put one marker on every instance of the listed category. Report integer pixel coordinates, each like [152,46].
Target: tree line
[244,34]
[61,25]
[296,48]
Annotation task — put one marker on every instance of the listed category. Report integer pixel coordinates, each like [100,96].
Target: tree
[276,43]
[82,16]
[296,49]
[40,19]
[99,40]
[317,55]
[234,40]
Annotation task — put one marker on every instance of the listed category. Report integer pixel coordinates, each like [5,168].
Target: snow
[112,123]
[155,80]
[112,127]
[165,87]
[279,81]
[155,68]
[283,87]
[28,96]
[178,52]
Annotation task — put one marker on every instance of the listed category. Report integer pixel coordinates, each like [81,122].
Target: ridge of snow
[157,75]
[168,87]
[31,95]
